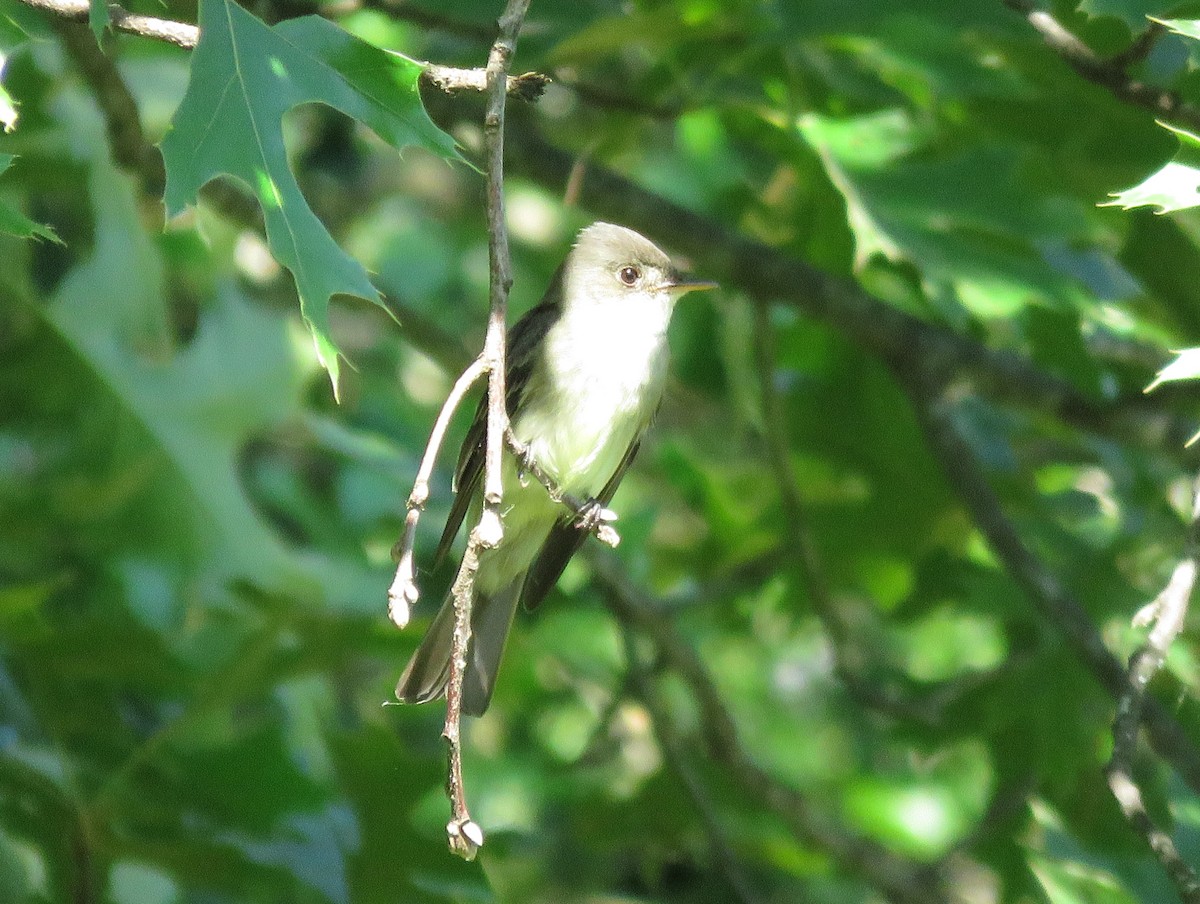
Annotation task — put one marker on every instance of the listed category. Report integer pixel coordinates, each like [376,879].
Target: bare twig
[900,880]
[674,753]
[464,835]
[528,86]
[1045,591]
[403,593]
[180,34]
[1111,73]
[1166,613]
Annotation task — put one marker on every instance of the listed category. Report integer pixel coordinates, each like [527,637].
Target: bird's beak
[681,285]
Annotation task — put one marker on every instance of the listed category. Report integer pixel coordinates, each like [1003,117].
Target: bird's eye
[629,275]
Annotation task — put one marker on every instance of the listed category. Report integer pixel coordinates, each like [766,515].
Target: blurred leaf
[11,221]
[245,77]
[98,17]
[8,110]
[1189,28]
[1135,13]
[964,220]
[241,373]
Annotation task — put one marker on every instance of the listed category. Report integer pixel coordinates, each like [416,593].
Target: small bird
[585,374]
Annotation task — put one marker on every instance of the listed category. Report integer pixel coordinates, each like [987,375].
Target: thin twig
[464,835]
[1051,599]
[1167,614]
[180,34]
[1111,73]
[529,86]
[673,750]
[900,880]
[404,593]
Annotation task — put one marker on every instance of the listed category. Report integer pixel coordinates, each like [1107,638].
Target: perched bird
[585,374]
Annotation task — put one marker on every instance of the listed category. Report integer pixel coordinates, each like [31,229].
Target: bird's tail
[428,671]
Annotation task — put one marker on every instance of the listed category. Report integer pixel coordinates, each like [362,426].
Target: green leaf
[13,221]
[245,76]
[1174,187]
[1189,28]
[183,399]
[1134,13]
[98,18]
[906,205]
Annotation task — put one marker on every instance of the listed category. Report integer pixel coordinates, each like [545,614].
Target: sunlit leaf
[245,77]
[1186,366]
[1174,187]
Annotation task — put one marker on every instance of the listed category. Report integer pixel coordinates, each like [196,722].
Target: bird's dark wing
[520,359]
[564,541]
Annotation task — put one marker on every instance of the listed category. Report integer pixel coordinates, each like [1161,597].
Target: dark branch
[1167,614]
[964,473]
[1111,73]
[898,879]
[675,754]
[770,276]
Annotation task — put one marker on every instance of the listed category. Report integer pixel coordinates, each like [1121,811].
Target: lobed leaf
[245,76]
[1174,187]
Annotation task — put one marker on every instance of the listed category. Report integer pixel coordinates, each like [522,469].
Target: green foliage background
[194,536]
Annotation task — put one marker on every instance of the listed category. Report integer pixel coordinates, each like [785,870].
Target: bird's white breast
[604,372]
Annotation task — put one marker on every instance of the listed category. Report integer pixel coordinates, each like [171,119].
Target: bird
[585,372]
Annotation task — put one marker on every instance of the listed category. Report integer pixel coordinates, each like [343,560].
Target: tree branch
[403,593]
[772,277]
[529,86]
[464,835]
[1045,591]
[673,749]
[900,880]
[1111,73]
[1167,614]
[180,34]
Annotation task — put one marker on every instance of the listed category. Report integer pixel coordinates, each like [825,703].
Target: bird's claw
[592,516]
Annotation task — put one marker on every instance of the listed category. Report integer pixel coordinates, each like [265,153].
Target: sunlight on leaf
[1174,187]
[245,76]
[1186,366]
